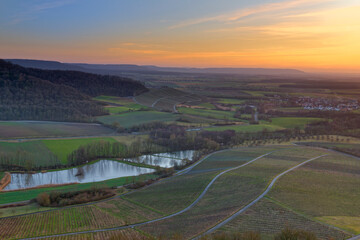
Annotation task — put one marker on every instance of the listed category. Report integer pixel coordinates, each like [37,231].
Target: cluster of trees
[101,149]
[339,124]
[34,94]
[176,138]
[285,234]
[60,199]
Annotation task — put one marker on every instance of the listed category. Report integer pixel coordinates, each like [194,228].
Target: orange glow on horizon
[325,39]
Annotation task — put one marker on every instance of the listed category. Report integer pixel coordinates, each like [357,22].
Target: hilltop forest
[34,94]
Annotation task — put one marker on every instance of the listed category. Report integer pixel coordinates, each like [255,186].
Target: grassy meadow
[33,129]
[293,122]
[130,119]
[246,128]
[62,148]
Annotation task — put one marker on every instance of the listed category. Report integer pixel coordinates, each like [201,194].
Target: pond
[97,172]
[165,160]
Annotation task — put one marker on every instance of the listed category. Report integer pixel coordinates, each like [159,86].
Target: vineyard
[268,218]
[61,221]
[128,234]
[327,180]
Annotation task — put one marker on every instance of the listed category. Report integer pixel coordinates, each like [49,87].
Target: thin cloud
[242,13]
[32,12]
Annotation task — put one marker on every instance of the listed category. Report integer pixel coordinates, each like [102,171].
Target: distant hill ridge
[118,68]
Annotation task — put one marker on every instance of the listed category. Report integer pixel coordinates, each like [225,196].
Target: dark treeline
[339,124]
[335,123]
[61,199]
[145,127]
[323,85]
[34,94]
[175,138]
[101,149]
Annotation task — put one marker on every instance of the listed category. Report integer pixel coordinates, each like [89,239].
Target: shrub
[43,199]
[293,234]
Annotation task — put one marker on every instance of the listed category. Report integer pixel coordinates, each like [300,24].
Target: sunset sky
[312,35]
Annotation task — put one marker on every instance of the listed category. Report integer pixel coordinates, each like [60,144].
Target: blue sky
[183,32]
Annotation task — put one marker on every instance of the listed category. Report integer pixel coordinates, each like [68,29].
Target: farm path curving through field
[236,214]
[168,216]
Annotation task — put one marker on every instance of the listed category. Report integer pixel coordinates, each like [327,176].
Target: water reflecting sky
[99,171]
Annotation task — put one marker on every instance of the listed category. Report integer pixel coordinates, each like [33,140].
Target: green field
[246,128]
[62,148]
[33,153]
[231,101]
[120,105]
[116,100]
[214,114]
[131,119]
[207,106]
[293,122]
[34,129]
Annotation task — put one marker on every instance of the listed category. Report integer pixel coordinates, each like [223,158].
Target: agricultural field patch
[293,122]
[61,221]
[166,99]
[127,234]
[327,187]
[127,120]
[118,105]
[232,101]
[351,224]
[268,218]
[34,129]
[207,106]
[29,154]
[62,148]
[231,158]
[174,194]
[246,128]
[214,114]
[211,209]
[128,211]
[114,99]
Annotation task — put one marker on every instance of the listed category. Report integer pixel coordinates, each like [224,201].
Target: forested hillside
[35,94]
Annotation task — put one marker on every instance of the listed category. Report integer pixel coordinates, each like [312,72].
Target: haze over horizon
[309,35]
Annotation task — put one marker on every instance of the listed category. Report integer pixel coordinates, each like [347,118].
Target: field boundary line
[282,205]
[165,217]
[142,205]
[357,237]
[242,210]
